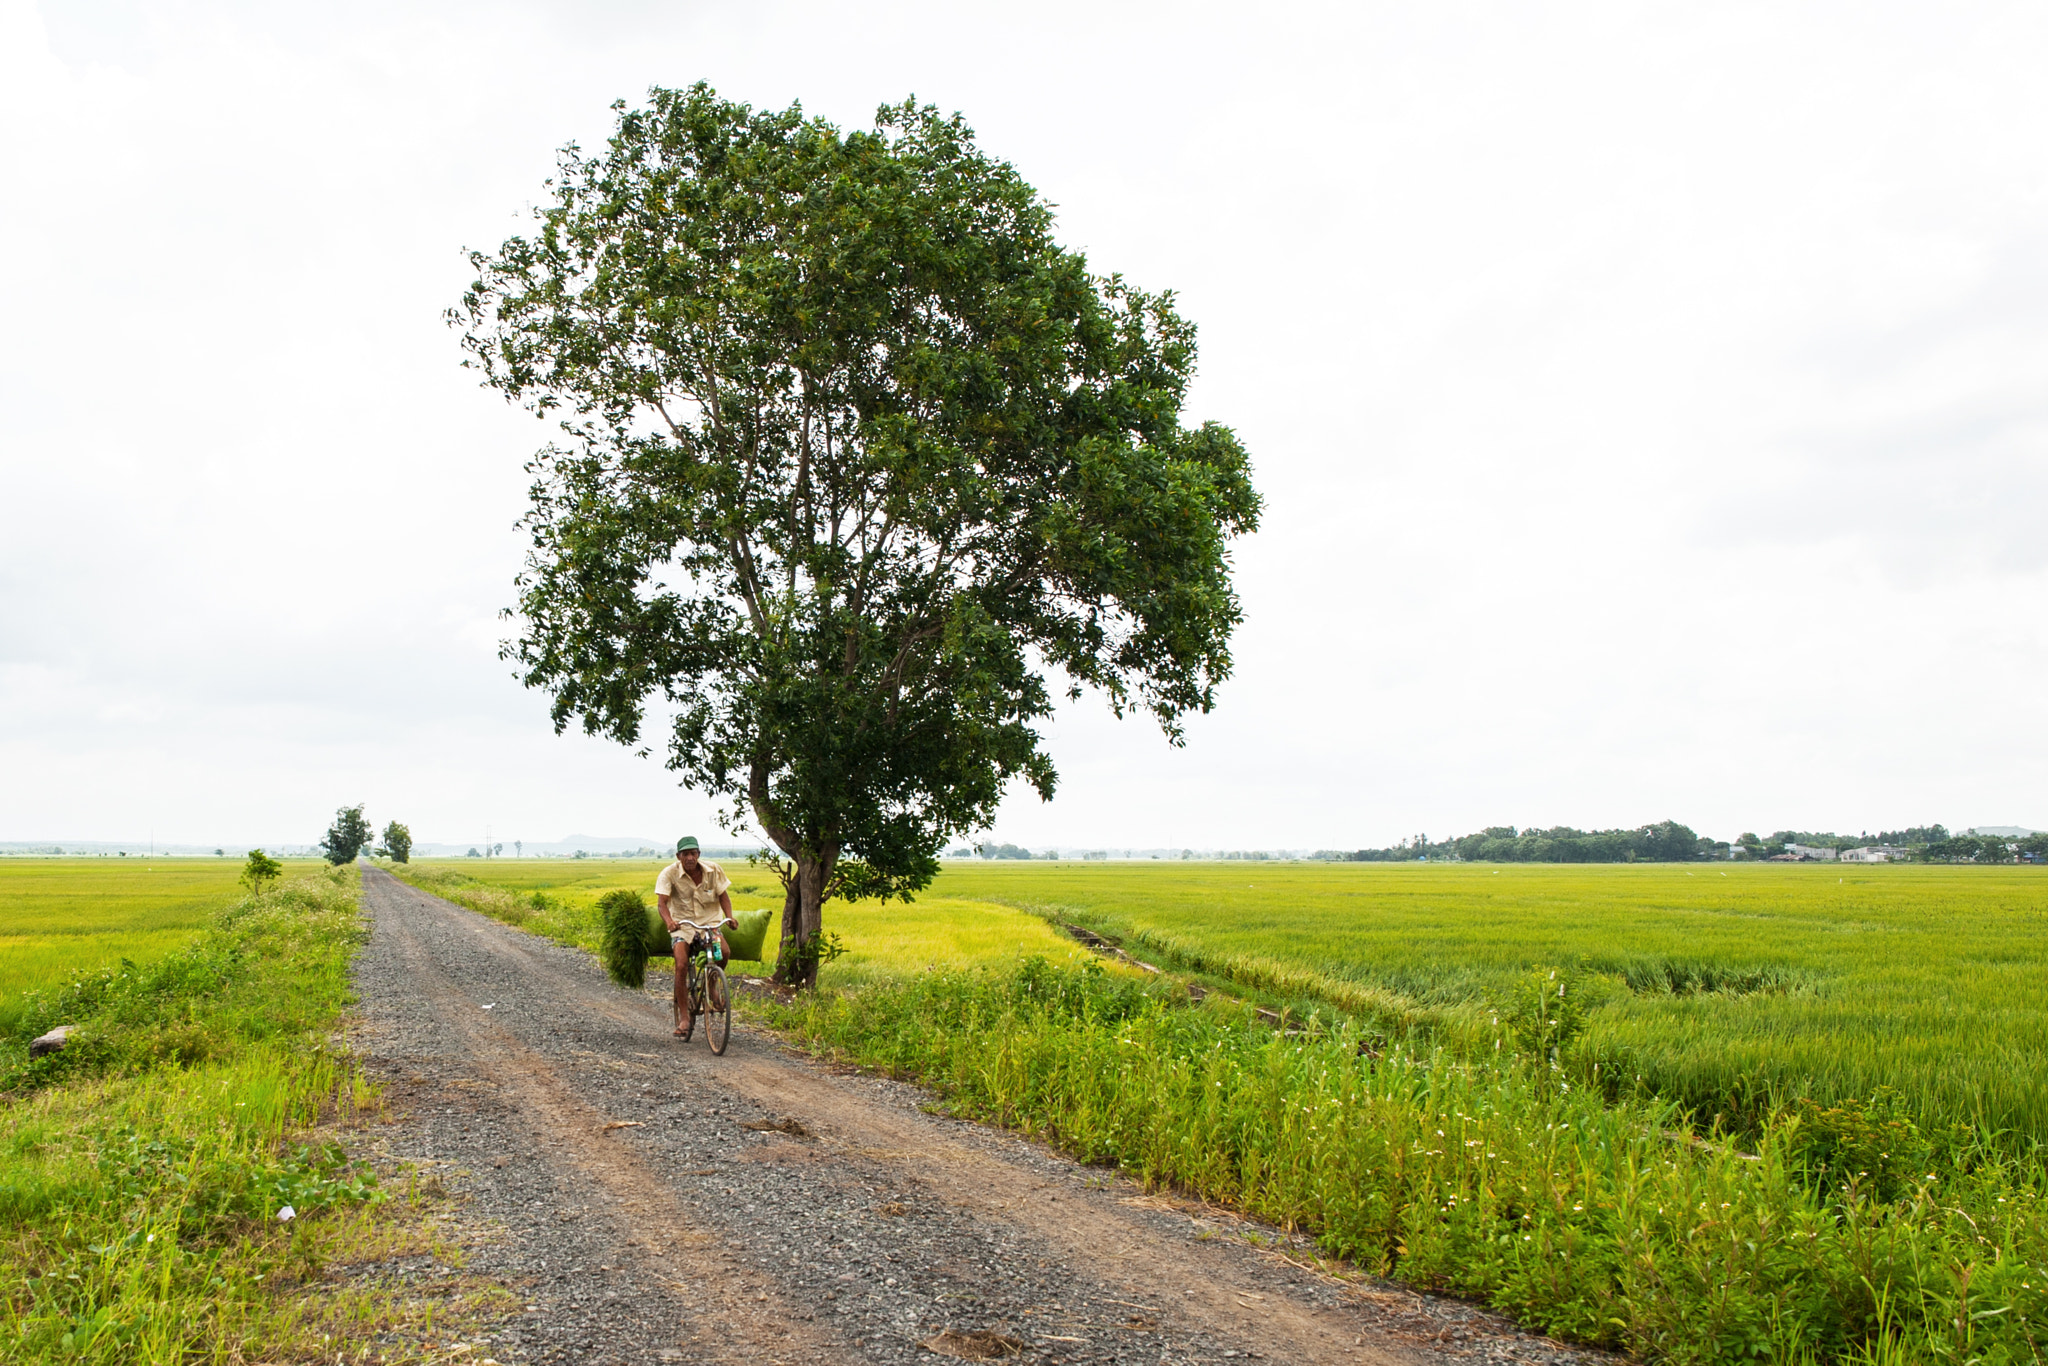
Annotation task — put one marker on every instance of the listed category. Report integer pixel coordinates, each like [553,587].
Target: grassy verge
[174,1185]
[1846,1234]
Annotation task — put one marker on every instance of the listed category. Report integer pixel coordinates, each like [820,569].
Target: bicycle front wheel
[717,1008]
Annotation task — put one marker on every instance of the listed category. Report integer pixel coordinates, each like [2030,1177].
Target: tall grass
[1844,1231]
[144,1170]
[1734,990]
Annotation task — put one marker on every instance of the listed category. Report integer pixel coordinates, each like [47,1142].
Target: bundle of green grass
[633,933]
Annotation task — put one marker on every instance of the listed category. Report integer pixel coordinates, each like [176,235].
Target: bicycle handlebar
[714,925]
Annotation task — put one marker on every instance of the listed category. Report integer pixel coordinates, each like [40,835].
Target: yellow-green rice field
[59,916]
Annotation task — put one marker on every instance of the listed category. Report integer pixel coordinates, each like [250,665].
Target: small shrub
[1545,1013]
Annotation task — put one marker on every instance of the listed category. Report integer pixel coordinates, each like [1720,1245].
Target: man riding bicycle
[693,888]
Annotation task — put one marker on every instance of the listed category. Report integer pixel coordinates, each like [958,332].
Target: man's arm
[661,898]
[725,904]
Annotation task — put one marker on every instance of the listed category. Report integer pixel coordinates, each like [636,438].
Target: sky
[1650,402]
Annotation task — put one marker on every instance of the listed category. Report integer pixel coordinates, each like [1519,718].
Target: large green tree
[398,842]
[854,456]
[347,836]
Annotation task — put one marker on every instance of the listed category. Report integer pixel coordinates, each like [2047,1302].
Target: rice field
[59,916]
[1730,988]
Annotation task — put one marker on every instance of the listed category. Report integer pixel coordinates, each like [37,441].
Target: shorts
[702,943]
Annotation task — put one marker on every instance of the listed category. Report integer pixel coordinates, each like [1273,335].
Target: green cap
[686,842]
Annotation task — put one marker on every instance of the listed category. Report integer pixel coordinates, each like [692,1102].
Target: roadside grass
[1735,990]
[147,1169]
[1845,1234]
[58,915]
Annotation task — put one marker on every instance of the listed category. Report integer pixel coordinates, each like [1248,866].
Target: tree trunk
[803,896]
[803,921]
[792,933]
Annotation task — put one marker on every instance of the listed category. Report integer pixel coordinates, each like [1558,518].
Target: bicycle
[710,1002]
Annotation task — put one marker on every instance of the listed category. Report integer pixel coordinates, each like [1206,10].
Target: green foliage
[347,837]
[1544,1014]
[1664,842]
[1982,849]
[1861,1149]
[803,957]
[1587,1220]
[260,871]
[631,933]
[397,843]
[854,450]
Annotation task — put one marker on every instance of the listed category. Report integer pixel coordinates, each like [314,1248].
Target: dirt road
[639,1220]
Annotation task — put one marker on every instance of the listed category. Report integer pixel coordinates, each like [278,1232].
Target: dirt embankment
[612,1179]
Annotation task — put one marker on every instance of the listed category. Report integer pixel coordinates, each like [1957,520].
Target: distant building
[1813,852]
[1876,853]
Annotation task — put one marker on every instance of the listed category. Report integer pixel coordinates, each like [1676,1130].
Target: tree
[398,842]
[347,836]
[855,454]
[260,871]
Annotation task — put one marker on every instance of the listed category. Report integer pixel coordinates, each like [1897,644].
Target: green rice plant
[632,934]
[1595,1220]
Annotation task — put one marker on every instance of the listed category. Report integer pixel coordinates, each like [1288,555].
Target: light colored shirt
[689,900]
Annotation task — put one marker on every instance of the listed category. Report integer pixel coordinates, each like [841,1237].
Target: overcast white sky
[1651,401]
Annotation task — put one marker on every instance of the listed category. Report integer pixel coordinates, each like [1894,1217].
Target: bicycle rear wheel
[717,1008]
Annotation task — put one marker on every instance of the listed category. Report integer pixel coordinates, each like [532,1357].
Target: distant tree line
[1664,842]
[1671,842]
[1988,849]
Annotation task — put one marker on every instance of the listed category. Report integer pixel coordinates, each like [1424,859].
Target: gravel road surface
[611,1181]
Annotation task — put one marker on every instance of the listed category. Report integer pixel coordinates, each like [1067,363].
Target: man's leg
[683,1020]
